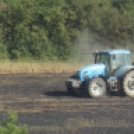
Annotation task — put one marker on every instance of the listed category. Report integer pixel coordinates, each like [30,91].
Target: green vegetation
[9,126]
[47,29]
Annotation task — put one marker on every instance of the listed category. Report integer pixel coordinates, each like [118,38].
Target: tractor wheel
[128,84]
[97,88]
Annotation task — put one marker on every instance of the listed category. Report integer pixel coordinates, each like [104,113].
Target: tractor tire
[128,84]
[96,88]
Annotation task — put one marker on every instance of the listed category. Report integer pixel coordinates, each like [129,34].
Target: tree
[47,29]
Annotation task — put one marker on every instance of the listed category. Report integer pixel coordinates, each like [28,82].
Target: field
[42,102]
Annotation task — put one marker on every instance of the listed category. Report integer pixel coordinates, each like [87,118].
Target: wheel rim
[97,88]
[131,83]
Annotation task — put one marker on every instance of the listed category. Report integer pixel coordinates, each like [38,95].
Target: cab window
[118,60]
[127,59]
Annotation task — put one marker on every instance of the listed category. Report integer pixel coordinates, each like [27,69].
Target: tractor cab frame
[113,61]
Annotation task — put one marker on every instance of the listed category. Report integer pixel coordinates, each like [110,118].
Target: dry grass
[8,67]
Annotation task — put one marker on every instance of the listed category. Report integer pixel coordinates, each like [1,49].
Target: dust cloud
[86,43]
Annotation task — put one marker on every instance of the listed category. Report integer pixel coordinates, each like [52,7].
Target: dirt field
[42,102]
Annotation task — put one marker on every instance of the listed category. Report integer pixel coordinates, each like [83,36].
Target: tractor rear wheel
[128,83]
[96,88]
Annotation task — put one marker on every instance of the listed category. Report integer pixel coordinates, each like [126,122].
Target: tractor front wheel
[128,84]
[72,91]
[96,88]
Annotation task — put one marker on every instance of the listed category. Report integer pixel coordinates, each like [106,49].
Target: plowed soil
[42,102]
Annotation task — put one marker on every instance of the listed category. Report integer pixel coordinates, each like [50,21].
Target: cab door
[117,61]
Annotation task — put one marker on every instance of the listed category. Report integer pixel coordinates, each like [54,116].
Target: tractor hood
[91,71]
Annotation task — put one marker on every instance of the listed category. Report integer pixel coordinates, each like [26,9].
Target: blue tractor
[112,72]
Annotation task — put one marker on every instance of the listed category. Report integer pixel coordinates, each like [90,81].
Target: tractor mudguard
[122,71]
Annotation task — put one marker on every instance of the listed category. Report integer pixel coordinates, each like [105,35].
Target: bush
[9,126]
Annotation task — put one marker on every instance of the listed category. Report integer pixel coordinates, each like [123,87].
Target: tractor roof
[115,51]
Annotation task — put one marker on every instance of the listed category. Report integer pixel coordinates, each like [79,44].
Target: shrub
[9,125]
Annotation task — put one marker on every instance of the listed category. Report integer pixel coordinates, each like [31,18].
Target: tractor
[111,73]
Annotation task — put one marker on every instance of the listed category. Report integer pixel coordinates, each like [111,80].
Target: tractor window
[103,58]
[127,59]
[118,60]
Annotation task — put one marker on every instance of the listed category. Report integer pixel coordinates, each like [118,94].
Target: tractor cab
[113,60]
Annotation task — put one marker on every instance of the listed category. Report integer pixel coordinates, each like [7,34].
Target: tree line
[47,29]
